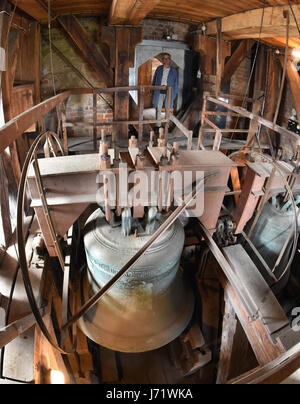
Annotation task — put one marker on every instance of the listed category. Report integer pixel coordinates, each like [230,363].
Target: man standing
[165,75]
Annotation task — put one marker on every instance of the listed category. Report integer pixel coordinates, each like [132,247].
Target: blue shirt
[172,82]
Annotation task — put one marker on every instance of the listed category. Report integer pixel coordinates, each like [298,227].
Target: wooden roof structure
[240,18]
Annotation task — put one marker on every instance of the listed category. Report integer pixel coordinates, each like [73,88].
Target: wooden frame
[234,110]
[17,126]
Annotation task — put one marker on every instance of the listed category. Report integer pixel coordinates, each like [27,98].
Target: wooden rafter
[130,12]
[248,24]
[294,80]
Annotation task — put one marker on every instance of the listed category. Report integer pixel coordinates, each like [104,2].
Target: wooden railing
[235,111]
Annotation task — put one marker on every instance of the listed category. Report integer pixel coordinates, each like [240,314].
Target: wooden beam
[81,40]
[207,46]
[228,333]
[18,125]
[219,64]
[236,59]
[242,111]
[4,199]
[126,41]
[248,24]
[33,8]
[274,372]
[294,81]
[130,12]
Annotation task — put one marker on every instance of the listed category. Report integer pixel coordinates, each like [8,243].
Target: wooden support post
[168,110]
[236,183]
[219,56]
[254,126]
[294,80]
[190,140]
[64,128]
[46,358]
[272,91]
[228,333]
[126,42]
[248,199]
[200,139]
[264,348]
[141,113]
[95,121]
[5,209]
[218,140]
[286,15]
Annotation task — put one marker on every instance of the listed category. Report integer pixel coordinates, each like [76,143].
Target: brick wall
[81,107]
[239,81]
[158,29]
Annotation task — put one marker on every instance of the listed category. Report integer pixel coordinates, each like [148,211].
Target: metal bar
[171,219]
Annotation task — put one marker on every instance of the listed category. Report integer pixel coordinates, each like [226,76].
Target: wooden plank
[130,12]
[17,328]
[254,126]
[263,347]
[248,24]
[228,333]
[207,46]
[294,80]
[109,369]
[272,90]
[263,121]
[47,358]
[273,372]
[18,125]
[219,56]
[236,183]
[126,42]
[179,125]
[141,114]
[5,208]
[272,314]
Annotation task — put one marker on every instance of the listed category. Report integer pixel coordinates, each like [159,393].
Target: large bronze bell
[151,305]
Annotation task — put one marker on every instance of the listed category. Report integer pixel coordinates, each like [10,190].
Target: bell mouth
[140,323]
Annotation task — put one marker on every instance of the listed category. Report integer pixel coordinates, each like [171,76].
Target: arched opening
[146,74]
